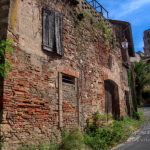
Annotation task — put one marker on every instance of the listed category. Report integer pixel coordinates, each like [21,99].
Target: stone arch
[112,98]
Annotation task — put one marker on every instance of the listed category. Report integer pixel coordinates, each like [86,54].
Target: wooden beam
[60,96]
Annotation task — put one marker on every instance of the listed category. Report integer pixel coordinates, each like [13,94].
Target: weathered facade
[63,74]
[147,42]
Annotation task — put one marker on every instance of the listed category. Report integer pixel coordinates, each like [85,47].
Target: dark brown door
[112,99]
[108,101]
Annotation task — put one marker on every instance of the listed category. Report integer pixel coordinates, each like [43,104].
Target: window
[148,35]
[52,31]
[68,79]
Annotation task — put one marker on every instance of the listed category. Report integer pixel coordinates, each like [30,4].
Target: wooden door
[108,101]
[112,98]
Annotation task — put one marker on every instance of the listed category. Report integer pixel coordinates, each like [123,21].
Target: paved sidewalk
[141,139]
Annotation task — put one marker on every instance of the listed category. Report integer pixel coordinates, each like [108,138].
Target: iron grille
[97,6]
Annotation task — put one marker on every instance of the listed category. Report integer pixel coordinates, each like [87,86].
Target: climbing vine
[107,34]
[106,30]
[5,65]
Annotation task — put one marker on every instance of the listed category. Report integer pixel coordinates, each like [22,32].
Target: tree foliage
[5,65]
[142,77]
[142,74]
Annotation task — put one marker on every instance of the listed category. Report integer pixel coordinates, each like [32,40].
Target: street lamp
[125,54]
[125,44]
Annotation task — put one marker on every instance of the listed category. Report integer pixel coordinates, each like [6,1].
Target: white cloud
[129,7]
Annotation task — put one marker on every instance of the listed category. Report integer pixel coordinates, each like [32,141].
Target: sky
[137,12]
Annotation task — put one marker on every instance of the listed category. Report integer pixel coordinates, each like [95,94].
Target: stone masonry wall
[31,93]
[70,105]
[4,10]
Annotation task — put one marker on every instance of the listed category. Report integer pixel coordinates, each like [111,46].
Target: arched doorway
[112,99]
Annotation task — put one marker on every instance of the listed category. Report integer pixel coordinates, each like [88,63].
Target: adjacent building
[147,42]
[69,61]
[138,56]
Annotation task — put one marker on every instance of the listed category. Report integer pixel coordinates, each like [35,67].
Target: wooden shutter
[48,29]
[58,33]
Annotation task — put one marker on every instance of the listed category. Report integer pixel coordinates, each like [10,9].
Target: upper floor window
[148,41]
[52,31]
[148,35]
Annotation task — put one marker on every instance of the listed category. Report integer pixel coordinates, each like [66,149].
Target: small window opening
[68,79]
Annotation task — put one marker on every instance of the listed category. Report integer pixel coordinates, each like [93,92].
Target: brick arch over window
[112,98]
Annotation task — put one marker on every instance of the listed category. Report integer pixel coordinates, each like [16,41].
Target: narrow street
[141,139]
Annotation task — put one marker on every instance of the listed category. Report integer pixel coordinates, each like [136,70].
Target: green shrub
[95,137]
[72,140]
[98,120]
[5,65]
[101,138]
[52,146]
[27,148]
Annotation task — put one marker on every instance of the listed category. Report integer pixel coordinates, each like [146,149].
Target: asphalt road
[141,139]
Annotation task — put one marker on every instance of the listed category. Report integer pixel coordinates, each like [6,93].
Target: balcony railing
[97,6]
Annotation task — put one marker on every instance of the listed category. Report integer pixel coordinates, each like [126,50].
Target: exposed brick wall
[4,10]
[30,101]
[31,93]
[70,105]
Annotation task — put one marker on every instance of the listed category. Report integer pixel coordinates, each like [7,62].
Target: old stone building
[147,42]
[69,61]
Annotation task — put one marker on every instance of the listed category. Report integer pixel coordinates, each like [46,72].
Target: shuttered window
[52,31]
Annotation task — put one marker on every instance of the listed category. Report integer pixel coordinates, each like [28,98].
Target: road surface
[141,139]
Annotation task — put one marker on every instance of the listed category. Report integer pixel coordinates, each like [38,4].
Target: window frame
[56,26]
